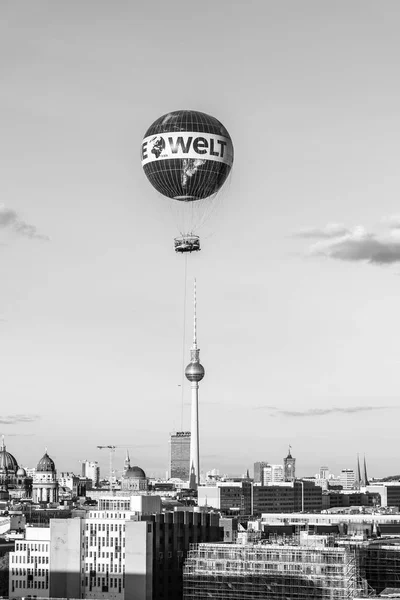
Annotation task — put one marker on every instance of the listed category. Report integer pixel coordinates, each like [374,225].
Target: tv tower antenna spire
[194,373]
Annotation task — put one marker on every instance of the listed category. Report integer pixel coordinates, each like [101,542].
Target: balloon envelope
[187,155]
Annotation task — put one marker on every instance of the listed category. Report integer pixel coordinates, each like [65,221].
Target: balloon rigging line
[183,343]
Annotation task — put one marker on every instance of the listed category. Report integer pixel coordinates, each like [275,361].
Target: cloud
[332,230]
[320,412]
[356,244]
[7,434]
[9,219]
[359,245]
[13,419]
[393,221]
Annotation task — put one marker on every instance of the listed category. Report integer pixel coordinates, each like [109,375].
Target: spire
[289,453]
[358,480]
[195,365]
[127,463]
[3,446]
[194,317]
[366,482]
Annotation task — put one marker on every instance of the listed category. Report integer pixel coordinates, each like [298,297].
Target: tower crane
[111,448]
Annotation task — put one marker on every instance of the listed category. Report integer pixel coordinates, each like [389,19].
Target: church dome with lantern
[45,484]
[133,478]
[46,464]
[7,461]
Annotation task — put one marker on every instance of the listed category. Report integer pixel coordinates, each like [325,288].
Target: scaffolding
[273,572]
[380,564]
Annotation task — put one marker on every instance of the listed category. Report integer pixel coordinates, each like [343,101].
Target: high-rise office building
[91,470]
[347,479]
[258,467]
[289,464]
[272,474]
[180,455]
[324,472]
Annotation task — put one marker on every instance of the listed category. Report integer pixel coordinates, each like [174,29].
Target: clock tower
[289,467]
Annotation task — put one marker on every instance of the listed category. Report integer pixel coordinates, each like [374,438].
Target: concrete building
[76,485]
[230,497]
[238,571]
[272,474]
[306,519]
[91,470]
[258,467]
[111,554]
[347,479]
[173,534]
[347,498]
[29,565]
[143,504]
[180,455]
[324,472]
[388,491]
[286,497]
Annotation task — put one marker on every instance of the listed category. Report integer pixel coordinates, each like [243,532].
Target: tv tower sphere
[194,371]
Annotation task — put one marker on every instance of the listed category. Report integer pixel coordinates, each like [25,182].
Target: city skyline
[119,462]
[298,272]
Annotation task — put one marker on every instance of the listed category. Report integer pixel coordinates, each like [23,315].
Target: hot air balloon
[187,156]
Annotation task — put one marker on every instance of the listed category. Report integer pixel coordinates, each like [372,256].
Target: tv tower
[194,373]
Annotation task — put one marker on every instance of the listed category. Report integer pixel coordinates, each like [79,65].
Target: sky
[298,276]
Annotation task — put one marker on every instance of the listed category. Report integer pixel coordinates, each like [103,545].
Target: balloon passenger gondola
[187,243]
[187,156]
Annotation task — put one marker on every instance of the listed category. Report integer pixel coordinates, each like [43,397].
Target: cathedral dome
[7,461]
[46,465]
[21,472]
[135,473]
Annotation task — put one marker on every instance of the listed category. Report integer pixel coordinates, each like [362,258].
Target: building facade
[272,474]
[235,572]
[29,567]
[230,497]
[286,497]
[347,479]
[258,467]
[114,554]
[180,455]
[91,470]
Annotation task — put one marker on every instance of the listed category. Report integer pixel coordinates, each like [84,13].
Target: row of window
[44,585]
[116,582]
[23,572]
[105,568]
[104,527]
[29,559]
[32,547]
[102,555]
[109,542]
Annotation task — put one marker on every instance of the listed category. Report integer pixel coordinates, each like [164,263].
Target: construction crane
[112,449]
